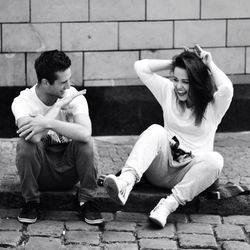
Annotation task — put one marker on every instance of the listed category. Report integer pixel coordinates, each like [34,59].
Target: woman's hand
[205,56]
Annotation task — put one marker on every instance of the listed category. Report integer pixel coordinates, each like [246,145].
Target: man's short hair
[50,62]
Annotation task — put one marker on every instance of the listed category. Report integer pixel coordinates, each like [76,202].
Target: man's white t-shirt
[182,125]
[28,103]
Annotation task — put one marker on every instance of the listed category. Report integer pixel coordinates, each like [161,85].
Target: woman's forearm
[220,78]
[153,65]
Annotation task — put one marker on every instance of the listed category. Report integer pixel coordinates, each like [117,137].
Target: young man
[55,149]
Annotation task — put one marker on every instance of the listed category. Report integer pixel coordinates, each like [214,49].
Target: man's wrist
[49,124]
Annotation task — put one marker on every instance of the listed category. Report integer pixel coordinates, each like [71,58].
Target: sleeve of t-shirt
[79,104]
[20,108]
[223,97]
[158,85]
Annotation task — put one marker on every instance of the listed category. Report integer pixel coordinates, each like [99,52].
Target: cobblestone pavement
[63,230]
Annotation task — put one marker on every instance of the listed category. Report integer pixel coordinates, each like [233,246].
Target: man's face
[61,83]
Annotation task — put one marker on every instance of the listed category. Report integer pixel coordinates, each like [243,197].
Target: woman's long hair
[201,86]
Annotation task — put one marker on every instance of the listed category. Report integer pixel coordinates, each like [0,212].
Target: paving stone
[197,248]
[111,236]
[194,228]
[79,247]
[151,231]
[237,219]
[10,225]
[108,217]
[80,226]
[133,217]
[229,232]
[43,243]
[247,228]
[177,218]
[165,244]
[9,238]
[233,245]
[46,228]
[120,226]
[205,218]
[197,241]
[121,246]
[82,237]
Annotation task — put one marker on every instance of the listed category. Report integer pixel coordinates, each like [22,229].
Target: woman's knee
[156,131]
[214,161]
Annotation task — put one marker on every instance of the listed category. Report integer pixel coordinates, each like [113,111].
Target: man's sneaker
[28,213]
[162,210]
[90,213]
[117,189]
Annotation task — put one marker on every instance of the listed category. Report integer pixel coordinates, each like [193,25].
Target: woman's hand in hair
[205,56]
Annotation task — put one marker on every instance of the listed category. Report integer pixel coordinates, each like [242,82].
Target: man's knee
[25,149]
[85,148]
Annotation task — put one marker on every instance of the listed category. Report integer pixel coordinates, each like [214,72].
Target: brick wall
[104,37]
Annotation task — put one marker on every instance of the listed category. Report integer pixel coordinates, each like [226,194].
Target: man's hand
[36,125]
[62,103]
[205,56]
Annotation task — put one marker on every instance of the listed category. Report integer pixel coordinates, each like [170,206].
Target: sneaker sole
[156,221]
[112,190]
[93,222]
[25,220]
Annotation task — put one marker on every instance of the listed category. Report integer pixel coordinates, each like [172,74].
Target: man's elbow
[86,135]
[35,139]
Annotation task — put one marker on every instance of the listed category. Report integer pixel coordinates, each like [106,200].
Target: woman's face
[181,84]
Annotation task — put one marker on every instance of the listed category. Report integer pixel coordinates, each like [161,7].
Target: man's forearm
[51,114]
[73,131]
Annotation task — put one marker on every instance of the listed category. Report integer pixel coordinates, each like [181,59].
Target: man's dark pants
[57,167]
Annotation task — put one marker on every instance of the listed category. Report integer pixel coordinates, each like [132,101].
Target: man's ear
[44,82]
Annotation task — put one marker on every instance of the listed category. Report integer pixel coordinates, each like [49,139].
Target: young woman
[193,103]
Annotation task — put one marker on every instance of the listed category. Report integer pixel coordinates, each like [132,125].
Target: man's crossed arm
[33,128]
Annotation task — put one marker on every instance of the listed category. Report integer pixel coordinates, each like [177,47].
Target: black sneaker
[90,213]
[28,213]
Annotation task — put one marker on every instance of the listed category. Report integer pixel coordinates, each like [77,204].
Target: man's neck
[44,97]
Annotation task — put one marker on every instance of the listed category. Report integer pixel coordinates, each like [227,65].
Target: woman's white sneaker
[162,210]
[160,213]
[117,189]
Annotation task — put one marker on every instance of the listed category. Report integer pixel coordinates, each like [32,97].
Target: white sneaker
[117,189]
[162,210]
